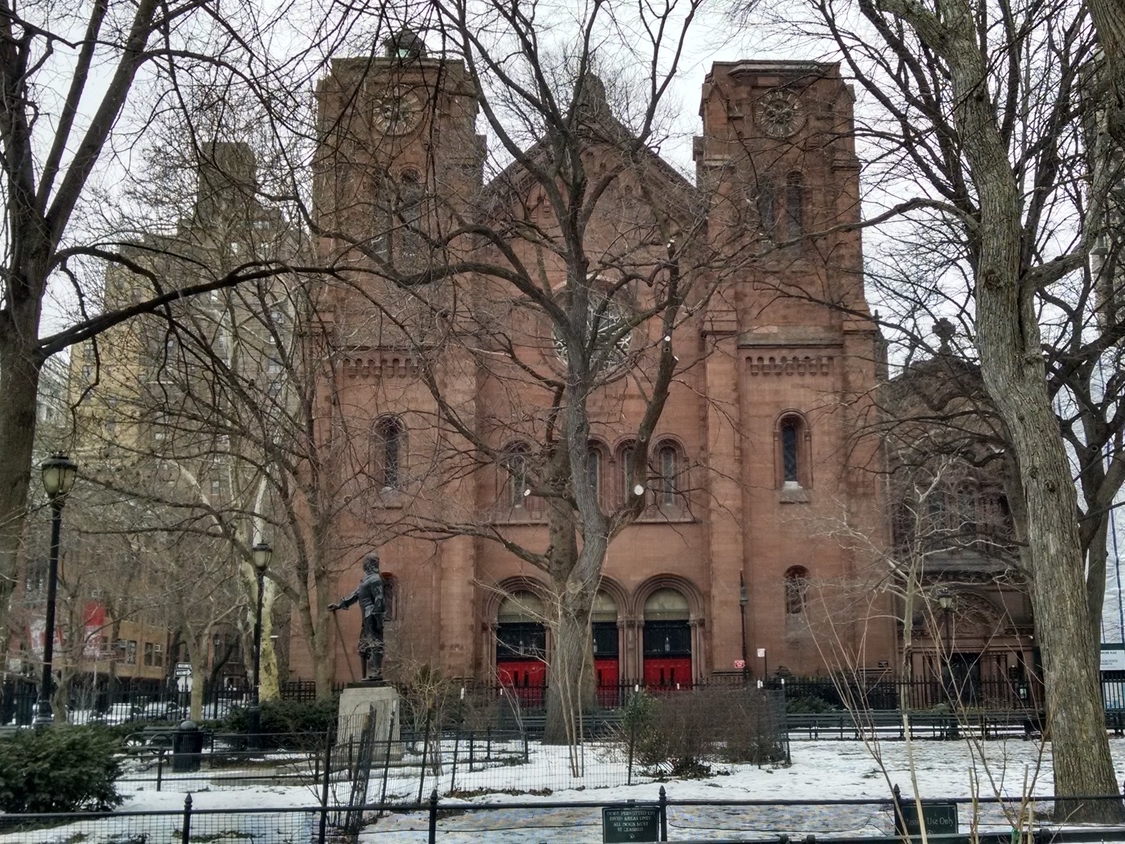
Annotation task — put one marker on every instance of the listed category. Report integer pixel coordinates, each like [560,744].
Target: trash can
[187,747]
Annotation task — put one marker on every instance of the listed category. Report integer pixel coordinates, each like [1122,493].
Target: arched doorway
[521,647]
[607,649]
[667,641]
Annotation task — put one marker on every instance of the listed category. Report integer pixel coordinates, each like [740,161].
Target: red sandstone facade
[764,546]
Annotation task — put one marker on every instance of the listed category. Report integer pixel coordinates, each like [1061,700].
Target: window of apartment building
[130,651]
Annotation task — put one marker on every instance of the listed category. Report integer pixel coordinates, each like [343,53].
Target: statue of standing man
[369,594]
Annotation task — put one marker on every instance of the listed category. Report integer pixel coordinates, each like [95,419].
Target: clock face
[779,114]
[397,112]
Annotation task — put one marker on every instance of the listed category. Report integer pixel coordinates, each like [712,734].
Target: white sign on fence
[1113,657]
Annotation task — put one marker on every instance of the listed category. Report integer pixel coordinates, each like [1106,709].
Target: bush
[59,769]
[287,722]
[677,734]
[809,704]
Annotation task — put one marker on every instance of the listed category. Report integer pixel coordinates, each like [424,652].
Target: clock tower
[397,171]
[398,158]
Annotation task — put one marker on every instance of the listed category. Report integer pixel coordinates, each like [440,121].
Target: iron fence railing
[126,704]
[433,820]
[511,706]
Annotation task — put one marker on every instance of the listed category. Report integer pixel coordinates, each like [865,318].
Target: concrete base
[361,701]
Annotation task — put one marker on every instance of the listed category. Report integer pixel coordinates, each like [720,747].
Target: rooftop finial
[404,45]
[945,332]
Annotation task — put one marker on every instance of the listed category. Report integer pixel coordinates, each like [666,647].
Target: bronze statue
[369,593]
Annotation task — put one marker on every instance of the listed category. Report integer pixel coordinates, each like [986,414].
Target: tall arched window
[517,465]
[389,449]
[390,597]
[790,443]
[792,452]
[796,590]
[628,481]
[965,516]
[411,254]
[669,469]
[767,206]
[794,205]
[594,470]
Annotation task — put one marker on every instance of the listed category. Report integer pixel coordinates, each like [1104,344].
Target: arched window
[628,481]
[793,460]
[389,448]
[411,254]
[517,465]
[390,597]
[666,640]
[767,207]
[796,590]
[790,439]
[594,470]
[794,205]
[965,516]
[669,468]
[400,236]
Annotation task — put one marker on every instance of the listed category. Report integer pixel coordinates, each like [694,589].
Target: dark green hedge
[59,769]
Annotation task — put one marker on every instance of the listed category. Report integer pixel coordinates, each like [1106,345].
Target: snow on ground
[820,770]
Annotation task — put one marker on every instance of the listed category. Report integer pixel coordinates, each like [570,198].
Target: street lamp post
[945,601]
[261,554]
[742,601]
[59,473]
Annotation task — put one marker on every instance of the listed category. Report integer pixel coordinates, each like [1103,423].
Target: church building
[754,543]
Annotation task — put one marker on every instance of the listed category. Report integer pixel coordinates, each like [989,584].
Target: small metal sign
[941,818]
[183,669]
[630,823]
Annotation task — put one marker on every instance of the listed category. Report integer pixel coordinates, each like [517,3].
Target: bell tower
[398,159]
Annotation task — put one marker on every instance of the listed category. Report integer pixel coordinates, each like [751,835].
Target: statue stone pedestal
[361,701]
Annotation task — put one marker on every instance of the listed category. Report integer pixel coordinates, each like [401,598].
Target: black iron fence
[141,702]
[175,759]
[512,706]
[655,816]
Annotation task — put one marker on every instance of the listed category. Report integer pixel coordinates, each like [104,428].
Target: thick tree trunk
[1013,371]
[19,384]
[197,646]
[571,688]
[1097,558]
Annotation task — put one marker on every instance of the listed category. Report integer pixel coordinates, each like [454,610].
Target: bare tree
[193,65]
[979,153]
[562,284]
